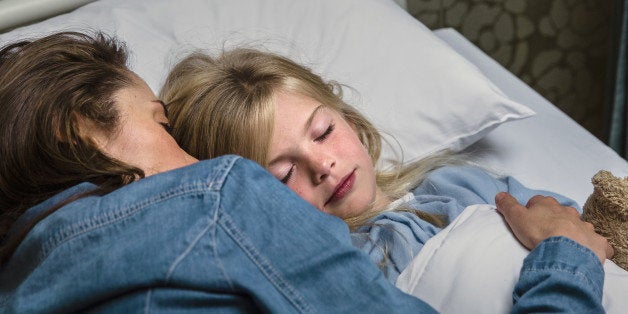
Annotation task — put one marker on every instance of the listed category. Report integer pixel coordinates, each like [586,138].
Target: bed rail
[14,13]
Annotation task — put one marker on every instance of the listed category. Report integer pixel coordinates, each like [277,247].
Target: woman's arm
[564,270]
[559,276]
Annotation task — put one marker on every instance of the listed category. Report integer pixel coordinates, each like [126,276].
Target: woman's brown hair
[46,85]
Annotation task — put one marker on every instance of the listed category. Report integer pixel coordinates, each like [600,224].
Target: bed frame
[15,13]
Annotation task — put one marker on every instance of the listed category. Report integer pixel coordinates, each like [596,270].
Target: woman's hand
[544,217]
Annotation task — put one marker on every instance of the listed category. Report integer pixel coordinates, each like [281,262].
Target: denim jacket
[218,236]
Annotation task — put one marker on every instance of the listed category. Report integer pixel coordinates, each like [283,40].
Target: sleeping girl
[288,119]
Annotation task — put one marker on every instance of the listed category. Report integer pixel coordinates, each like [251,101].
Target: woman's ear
[87,131]
[76,128]
[62,130]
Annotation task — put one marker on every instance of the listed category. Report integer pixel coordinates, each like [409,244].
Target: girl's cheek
[302,193]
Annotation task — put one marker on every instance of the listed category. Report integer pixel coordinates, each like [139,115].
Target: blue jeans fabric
[221,236]
[224,236]
[559,276]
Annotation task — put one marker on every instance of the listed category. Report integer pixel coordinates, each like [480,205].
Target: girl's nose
[321,168]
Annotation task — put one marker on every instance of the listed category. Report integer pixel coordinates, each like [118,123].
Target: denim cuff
[561,254]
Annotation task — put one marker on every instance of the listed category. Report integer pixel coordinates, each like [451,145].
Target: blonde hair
[224,105]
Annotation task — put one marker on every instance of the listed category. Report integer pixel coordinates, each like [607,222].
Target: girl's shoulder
[457,173]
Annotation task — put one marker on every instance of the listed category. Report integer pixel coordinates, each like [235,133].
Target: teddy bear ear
[612,191]
[606,180]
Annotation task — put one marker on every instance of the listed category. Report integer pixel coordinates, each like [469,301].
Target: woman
[288,119]
[106,212]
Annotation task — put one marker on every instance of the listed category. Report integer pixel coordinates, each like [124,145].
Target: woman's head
[67,105]
[45,86]
[259,105]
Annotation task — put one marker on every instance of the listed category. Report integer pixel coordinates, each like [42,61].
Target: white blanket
[473,264]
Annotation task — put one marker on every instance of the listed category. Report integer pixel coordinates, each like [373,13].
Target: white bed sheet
[478,247]
[547,151]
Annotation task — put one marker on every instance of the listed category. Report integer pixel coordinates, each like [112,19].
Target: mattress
[548,150]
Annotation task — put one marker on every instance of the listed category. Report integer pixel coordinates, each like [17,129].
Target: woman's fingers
[544,217]
[515,216]
[508,206]
[610,252]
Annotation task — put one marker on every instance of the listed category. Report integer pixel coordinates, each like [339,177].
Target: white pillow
[411,85]
[472,266]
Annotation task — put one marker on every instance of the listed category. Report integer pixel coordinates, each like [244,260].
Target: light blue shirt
[393,238]
[558,276]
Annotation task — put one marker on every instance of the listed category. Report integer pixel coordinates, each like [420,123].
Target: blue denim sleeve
[559,276]
[219,236]
[305,256]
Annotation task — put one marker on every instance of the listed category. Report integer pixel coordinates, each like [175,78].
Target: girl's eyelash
[327,132]
[330,129]
[285,179]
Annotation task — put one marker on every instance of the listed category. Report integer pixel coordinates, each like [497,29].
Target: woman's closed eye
[323,136]
[166,126]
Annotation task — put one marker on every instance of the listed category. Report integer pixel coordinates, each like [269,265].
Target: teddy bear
[607,209]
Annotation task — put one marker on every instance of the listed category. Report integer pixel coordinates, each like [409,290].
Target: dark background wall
[558,47]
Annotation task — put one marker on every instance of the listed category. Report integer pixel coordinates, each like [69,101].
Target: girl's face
[142,139]
[317,153]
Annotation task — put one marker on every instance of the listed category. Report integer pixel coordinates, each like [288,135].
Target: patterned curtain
[558,47]
[618,96]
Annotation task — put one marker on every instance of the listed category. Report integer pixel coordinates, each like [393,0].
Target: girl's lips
[343,188]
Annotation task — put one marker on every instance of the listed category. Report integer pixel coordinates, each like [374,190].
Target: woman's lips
[343,188]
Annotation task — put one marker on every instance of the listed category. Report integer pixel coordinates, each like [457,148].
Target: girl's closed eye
[285,178]
[328,131]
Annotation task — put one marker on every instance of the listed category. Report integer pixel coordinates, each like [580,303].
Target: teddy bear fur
[607,209]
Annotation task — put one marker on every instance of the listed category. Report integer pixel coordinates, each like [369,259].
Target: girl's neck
[381,201]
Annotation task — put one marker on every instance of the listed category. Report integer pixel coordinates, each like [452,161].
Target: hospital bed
[426,90]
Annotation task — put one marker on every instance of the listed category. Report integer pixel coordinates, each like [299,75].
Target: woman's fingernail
[499,196]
